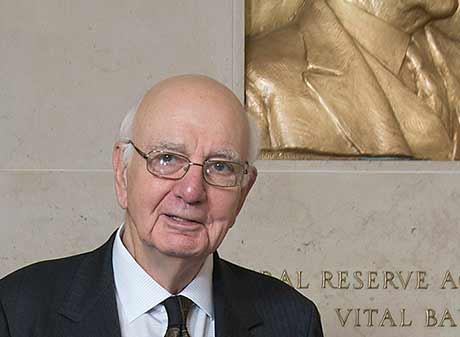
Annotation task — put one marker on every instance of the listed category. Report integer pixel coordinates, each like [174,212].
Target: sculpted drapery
[355,78]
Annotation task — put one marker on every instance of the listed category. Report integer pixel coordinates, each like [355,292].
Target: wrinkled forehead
[190,115]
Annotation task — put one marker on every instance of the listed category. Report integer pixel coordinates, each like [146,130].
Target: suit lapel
[90,307]
[234,316]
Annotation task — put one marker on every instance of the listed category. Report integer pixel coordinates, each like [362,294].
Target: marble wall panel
[54,214]
[71,69]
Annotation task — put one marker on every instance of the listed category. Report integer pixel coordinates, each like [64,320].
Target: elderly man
[356,78]
[182,175]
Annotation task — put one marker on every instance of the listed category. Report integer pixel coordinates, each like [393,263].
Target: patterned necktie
[177,308]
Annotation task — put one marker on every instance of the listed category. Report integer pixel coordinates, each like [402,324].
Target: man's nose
[192,187]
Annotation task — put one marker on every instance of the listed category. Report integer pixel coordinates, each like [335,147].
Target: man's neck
[171,272]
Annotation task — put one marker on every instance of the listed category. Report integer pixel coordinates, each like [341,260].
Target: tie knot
[177,308]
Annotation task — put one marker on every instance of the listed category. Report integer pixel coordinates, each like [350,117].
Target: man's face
[408,15]
[186,217]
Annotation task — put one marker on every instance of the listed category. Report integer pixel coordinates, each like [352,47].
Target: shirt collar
[386,42]
[138,292]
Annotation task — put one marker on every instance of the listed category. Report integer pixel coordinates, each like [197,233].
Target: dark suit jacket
[75,296]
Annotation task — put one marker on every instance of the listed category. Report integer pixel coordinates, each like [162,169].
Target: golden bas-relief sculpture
[355,78]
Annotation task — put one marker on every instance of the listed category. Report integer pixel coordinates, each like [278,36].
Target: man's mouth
[182,220]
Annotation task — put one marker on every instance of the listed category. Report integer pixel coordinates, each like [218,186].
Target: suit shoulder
[40,275]
[44,280]
[280,306]
[36,291]
[259,285]
[46,274]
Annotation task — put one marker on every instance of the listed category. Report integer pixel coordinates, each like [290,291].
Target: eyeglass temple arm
[141,153]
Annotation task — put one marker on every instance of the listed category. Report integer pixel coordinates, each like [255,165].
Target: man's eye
[167,159]
[222,167]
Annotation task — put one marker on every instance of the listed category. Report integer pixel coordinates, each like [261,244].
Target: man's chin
[186,250]
[185,254]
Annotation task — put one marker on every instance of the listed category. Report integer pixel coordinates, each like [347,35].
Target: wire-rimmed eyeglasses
[174,166]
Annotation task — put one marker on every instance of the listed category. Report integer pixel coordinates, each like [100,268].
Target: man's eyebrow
[168,146]
[180,148]
[225,154]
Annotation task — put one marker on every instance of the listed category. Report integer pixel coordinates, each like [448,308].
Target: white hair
[126,134]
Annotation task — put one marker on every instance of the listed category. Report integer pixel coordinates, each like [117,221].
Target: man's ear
[252,176]
[119,172]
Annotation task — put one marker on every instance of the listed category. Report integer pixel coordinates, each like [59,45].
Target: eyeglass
[174,166]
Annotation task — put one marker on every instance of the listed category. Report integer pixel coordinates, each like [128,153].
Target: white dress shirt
[139,296]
